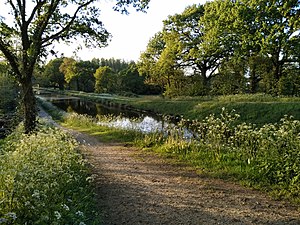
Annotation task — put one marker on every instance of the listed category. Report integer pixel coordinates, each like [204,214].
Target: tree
[37,24]
[132,81]
[278,21]
[68,68]
[53,74]
[260,32]
[149,58]
[189,27]
[85,71]
[104,81]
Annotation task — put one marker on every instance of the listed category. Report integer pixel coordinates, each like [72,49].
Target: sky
[131,33]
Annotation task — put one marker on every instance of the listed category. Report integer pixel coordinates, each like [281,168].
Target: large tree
[37,24]
[192,53]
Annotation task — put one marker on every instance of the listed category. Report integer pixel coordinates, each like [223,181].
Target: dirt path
[134,187]
[138,188]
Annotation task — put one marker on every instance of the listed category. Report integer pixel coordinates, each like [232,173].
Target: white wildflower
[57,215]
[66,207]
[81,223]
[36,194]
[3,220]
[79,213]
[27,203]
[12,215]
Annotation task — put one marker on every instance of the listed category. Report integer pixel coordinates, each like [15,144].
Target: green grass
[257,109]
[265,157]
[104,134]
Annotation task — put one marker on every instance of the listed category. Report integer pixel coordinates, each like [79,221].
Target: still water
[124,119]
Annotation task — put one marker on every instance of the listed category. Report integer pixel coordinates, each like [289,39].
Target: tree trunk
[29,106]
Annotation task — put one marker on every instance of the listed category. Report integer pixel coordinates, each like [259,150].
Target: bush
[266,157]
[43,180]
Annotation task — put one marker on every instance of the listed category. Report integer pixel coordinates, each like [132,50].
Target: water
[124,119]
[144,125]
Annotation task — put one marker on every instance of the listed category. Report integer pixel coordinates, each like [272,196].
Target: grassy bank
[44,180]
[266,157]
[257,109]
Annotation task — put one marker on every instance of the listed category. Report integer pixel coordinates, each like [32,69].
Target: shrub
[44,180]
[267,157]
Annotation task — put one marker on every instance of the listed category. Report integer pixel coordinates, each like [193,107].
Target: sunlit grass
[105,134]
[265,156]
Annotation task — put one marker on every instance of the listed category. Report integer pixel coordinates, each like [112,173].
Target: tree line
[30,28]
[227,47]
[220,47]
[97,75]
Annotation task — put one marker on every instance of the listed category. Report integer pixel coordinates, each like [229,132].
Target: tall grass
[266,157]
[44,180]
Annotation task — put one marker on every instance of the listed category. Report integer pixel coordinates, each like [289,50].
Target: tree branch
[15,11]
[69,24]
[12,59]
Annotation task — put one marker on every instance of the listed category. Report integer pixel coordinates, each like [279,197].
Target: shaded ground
[135,187]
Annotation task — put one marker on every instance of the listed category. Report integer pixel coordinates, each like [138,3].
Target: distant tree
[69,69]
[149,58]
[85,74]
[104,80]
[53,74]
[132,81]
[37,24]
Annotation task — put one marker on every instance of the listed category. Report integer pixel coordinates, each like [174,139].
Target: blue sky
[131,33]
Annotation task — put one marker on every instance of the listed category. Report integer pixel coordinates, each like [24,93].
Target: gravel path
[136,187]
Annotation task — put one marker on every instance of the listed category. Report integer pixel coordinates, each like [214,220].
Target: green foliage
[233,46]
[104,80]
[9,93]
[44,180]
[266,157]
[53,74]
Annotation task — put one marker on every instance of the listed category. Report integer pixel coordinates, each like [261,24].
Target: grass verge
[257,109]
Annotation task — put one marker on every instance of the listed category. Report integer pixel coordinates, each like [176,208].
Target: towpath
[137,187]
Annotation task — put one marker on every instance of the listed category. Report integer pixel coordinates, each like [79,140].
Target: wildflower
[12,215]
[57,215]
[3,220]
[36,194]
[66,207]
[81,223]
[79,213]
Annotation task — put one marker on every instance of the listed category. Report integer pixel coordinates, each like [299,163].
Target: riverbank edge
[259,109]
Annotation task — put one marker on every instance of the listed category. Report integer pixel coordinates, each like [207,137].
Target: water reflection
[145,125]
[125,119]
